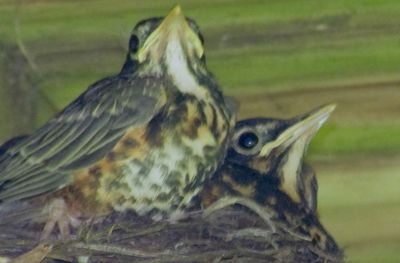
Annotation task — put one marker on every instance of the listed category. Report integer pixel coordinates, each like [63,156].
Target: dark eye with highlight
[248,140]
[133,44]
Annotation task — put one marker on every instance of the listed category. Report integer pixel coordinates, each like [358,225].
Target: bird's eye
[133,44]
[248,140]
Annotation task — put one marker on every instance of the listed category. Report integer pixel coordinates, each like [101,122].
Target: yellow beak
[308,123]
[174,29]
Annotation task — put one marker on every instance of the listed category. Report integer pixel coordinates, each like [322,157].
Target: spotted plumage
[143,140]
[265,162]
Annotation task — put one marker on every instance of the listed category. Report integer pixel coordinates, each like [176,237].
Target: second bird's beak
[304,126]
[173,35]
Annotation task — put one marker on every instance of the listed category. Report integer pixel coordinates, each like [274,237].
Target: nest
[231,230]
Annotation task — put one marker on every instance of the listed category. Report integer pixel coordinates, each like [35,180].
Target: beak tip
[324,109]
[330,107]
[176,10]
[333,105]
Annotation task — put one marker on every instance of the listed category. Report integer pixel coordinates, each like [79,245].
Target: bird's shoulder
[112,95]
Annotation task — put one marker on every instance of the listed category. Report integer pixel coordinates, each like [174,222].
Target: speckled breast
[163,165]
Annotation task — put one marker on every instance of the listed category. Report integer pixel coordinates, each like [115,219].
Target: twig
[207,256]
[35,255]
[326,256]
[261,211]
[110,249]
[250,232]
[294,233]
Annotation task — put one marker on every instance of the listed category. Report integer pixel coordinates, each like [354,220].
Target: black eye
[133,44]
[248,140]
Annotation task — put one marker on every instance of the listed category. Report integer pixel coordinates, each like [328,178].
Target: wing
[11,143]
[83,133]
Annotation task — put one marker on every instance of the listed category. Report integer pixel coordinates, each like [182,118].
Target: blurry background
[279,58]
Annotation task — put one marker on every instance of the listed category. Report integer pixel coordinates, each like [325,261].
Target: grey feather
[83,133]
[90,158]
[19,192]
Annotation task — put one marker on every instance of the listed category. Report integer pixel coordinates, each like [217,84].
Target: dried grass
[225,232]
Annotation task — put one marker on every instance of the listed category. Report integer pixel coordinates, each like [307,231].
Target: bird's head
[171,41]
[276,148]
[265,163]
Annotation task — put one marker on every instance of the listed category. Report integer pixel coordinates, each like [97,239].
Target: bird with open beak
[265,162]
[144,140]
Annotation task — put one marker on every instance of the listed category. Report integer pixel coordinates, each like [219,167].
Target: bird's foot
[59,216]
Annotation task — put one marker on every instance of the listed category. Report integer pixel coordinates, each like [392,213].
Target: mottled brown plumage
[265,163]
[143,140]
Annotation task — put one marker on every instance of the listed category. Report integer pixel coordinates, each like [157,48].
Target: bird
[265,163]
[143,140]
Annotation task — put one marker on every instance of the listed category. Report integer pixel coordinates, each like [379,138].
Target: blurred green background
[279,58]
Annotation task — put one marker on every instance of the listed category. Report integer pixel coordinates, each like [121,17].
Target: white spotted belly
[162,180]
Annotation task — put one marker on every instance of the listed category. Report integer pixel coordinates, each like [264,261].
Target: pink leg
[57,215]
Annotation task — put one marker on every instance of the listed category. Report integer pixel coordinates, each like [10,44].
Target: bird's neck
[181,72]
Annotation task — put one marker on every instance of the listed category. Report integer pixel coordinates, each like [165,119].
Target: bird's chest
[164,164]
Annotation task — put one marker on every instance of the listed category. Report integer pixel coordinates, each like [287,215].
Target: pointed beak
[302,126]
[174,29]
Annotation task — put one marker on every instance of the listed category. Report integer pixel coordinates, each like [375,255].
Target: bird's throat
[178,69]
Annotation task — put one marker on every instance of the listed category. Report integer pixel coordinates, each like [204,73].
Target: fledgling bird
[265,162]
[143,140]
